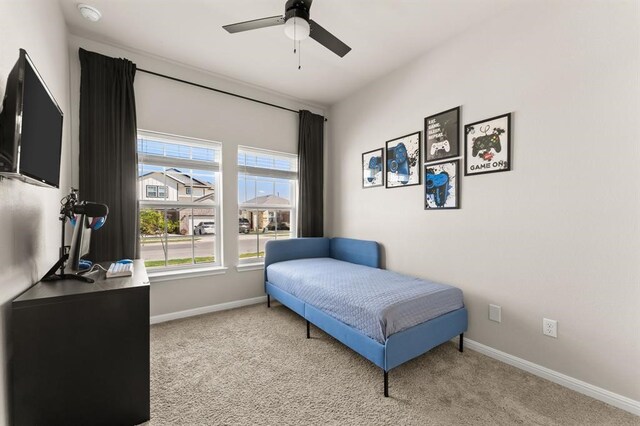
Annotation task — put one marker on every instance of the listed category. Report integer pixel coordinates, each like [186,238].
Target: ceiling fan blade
[255,24]
[327,39]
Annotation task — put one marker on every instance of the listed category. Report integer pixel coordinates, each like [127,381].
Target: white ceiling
[384,35]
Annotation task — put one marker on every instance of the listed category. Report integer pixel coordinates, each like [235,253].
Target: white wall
[176,108]
[558,236]
[28,214]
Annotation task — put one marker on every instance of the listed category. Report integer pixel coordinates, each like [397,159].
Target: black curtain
[311,179]
[108,155]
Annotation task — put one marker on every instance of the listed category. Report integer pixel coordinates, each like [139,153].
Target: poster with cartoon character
[373,168]
[441,185]
[488,145]
[403,161]
[442,135]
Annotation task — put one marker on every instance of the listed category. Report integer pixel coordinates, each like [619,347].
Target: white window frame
[269,173]
[215,167]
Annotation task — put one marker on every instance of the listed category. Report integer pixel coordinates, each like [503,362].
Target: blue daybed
[337,285]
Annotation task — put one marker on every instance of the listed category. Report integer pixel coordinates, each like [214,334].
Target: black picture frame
[442,135]
[367,158]
[448,192]
[403,165]
[488,152]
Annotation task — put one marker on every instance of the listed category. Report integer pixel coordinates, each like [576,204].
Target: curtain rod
[217,90]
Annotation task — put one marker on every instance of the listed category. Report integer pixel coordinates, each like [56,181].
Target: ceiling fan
[297,26]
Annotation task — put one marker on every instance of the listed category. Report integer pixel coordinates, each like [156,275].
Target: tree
[153,223]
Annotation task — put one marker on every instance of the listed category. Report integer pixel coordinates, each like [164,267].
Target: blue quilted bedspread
[374,301]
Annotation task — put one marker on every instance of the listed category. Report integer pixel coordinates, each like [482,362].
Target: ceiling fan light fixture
[297,28]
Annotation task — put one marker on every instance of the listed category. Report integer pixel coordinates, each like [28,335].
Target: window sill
[161,276]
[258,266]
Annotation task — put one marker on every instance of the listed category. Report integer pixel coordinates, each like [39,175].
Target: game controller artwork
[403,159]
[441,185]
[442,135]
[488,145]
[372,169]
[440,146]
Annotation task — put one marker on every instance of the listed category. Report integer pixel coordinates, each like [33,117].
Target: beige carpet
[254,366]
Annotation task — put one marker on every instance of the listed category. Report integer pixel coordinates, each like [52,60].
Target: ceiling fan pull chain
[294,37]
[299,56]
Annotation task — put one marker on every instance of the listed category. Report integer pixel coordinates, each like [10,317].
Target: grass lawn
[246,255]
[175,262]
[277,234]
[152,240]
[187,260]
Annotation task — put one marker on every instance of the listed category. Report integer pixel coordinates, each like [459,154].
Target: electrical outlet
[495,313]
[550,327]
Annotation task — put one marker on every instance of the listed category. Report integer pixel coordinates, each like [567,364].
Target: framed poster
[373,168]
[442,135]
[441,185]
[403,161]
[488,145]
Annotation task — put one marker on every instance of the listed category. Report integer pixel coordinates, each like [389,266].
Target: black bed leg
[308,331]
[386,384]
[461,345]
[268,301]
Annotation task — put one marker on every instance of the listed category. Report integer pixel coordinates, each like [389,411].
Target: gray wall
[176,108]
[28,214]
[558,236]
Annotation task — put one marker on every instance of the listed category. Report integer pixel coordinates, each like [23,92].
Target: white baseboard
[206,309]
[595,392]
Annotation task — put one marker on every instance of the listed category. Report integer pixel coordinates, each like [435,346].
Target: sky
[249,186]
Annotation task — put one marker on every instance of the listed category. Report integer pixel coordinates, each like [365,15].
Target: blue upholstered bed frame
[399,347]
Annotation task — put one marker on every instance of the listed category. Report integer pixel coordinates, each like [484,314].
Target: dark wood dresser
[79,352]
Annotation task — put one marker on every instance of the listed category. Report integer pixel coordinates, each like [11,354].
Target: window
[179,226]
[156,191]
[152,191]
[267,200]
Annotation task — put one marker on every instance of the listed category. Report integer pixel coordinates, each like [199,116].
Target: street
[204,246]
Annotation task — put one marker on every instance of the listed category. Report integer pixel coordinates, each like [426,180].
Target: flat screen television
[30,127]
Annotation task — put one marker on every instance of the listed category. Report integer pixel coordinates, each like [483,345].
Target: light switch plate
[495,313]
